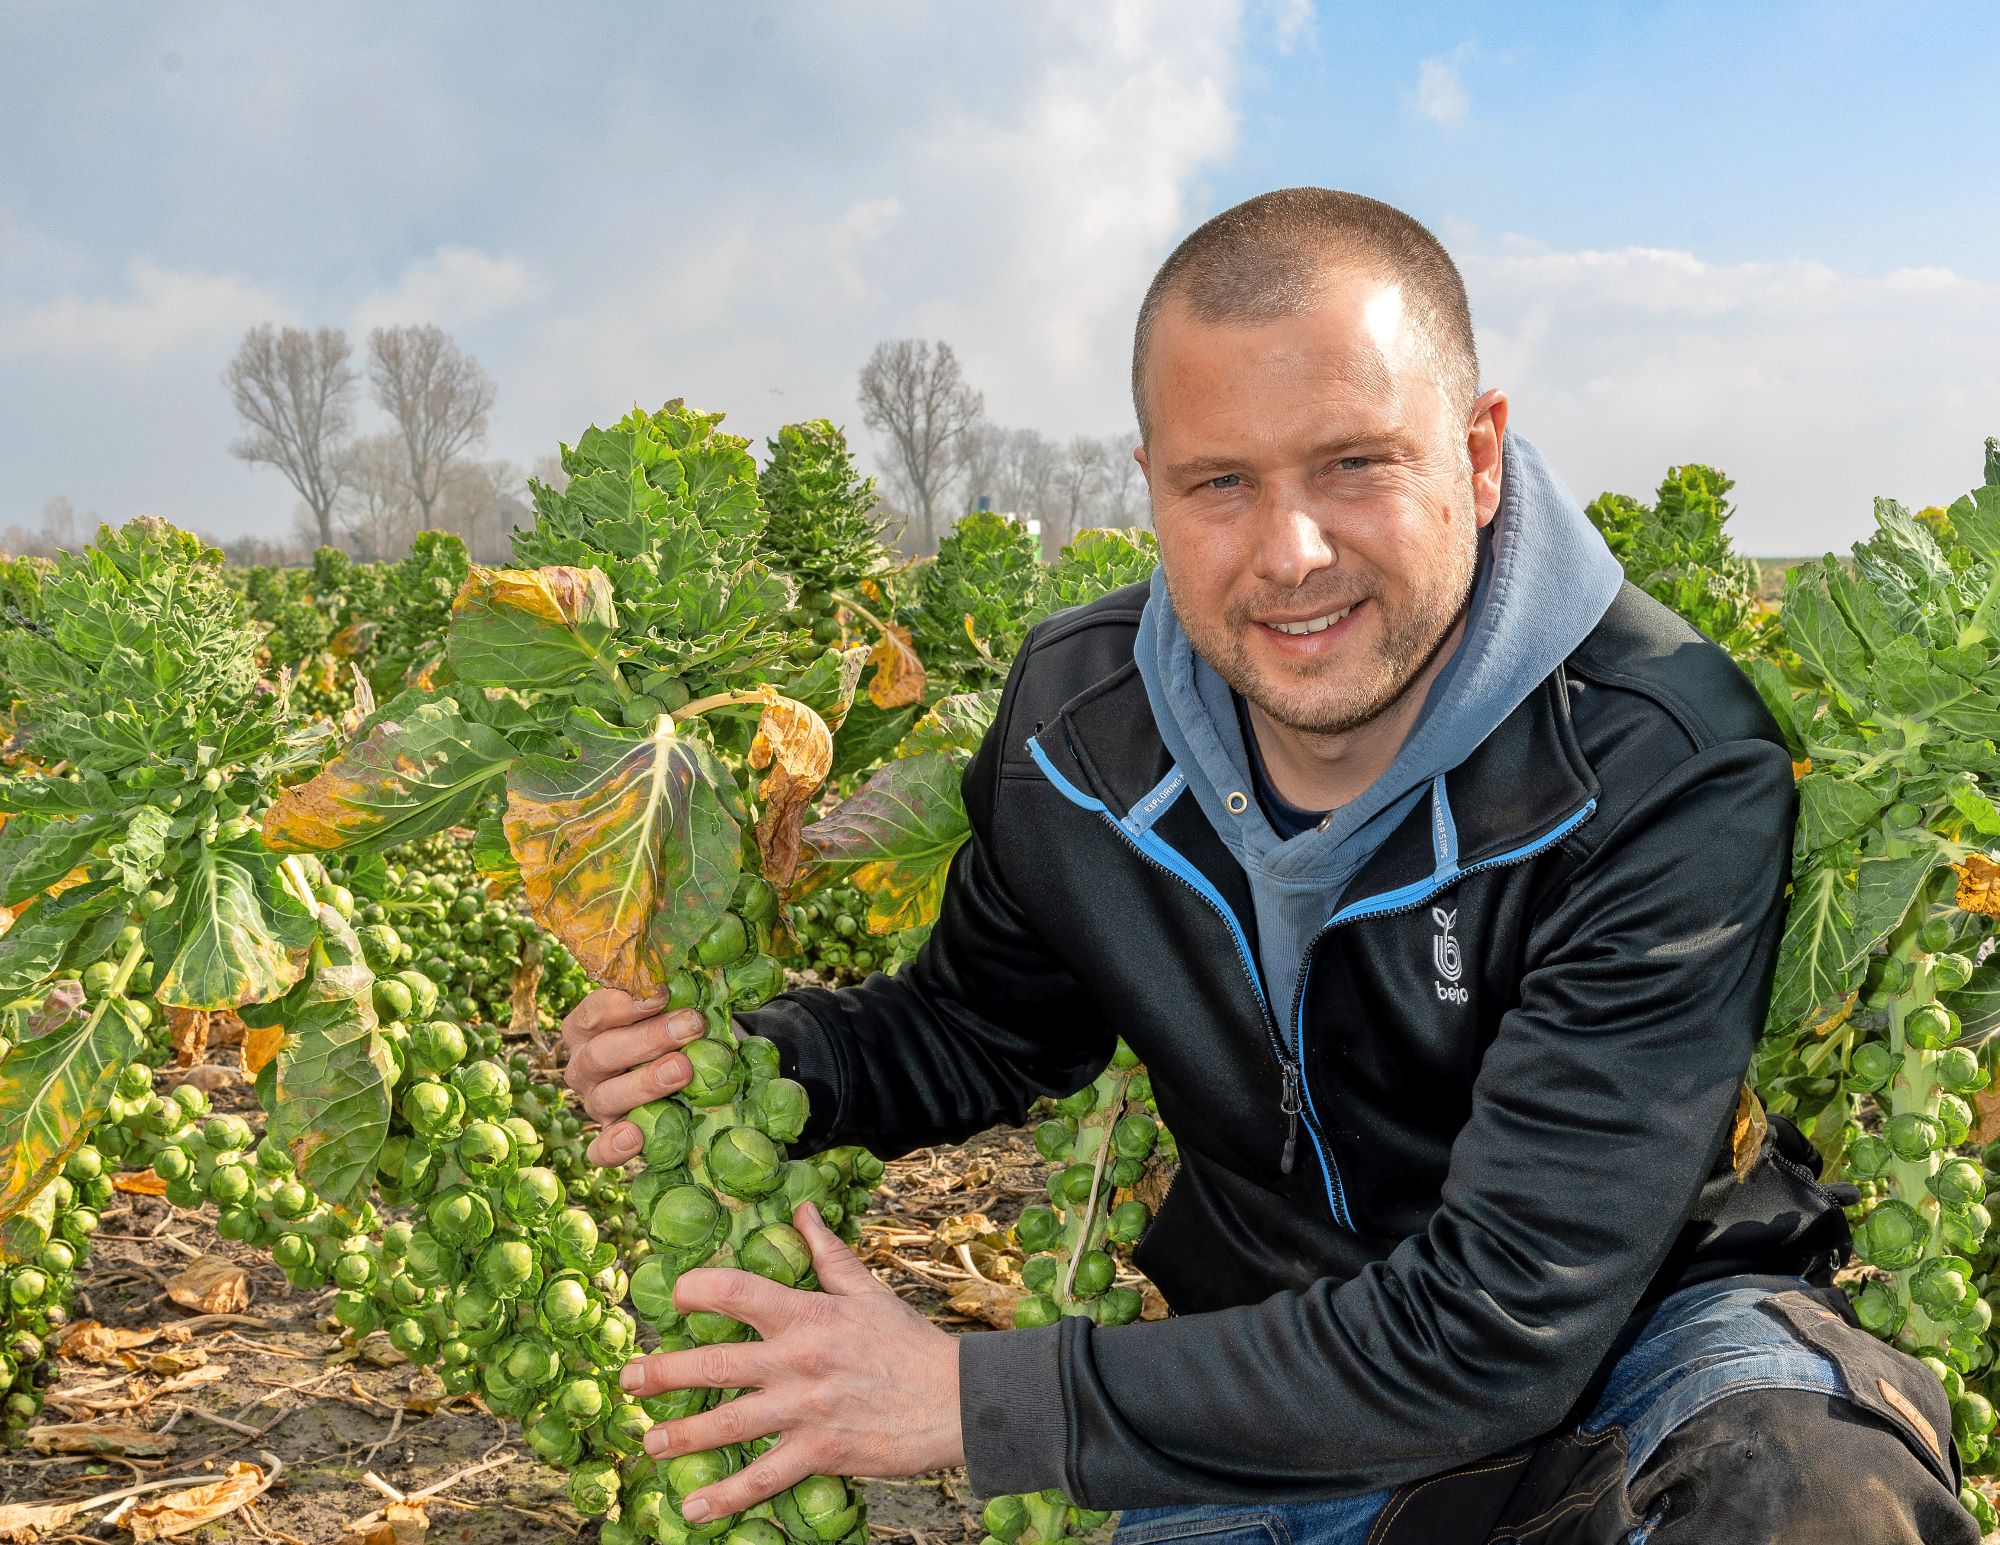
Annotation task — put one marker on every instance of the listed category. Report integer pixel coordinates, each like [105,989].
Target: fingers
[605,1009]
[734,1421]
[760,1303]
[612,1050]
[773,1471]
[840,1269]
[615,1144]
[729,1365]
[613,1097]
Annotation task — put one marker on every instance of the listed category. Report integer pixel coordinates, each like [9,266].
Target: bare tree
[294,391]
[916,394]
[376,509]
[483,501]
[1082,470]
[61,531]
[438,397]
[1125,497]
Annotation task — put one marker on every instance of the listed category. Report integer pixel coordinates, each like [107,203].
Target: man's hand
[852,1379]
[623,1051]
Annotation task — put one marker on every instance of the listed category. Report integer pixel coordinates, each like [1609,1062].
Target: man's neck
[1323,772]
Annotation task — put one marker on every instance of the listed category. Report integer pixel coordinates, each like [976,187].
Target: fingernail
[687,1024]
[672,1072]
[651,1005]
[631,1376]
[694,1510]
[656,1443]
[626,1139]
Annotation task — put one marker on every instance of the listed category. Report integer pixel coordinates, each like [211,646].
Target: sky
[1763,236]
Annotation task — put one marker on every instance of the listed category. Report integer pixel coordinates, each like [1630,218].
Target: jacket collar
[1519,784]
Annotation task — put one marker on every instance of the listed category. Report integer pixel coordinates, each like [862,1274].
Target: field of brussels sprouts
[301,868]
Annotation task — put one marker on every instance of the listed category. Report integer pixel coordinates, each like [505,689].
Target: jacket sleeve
[1598,1111]
[984,1021]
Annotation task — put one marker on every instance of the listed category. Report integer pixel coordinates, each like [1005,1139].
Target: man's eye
[1227,480]
[1353,463]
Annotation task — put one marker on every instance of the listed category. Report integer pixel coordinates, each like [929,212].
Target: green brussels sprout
[1957,1069]
[1913,1136]
[1965,1230]
[481,1315]
[744,1162]
[780,1109]
[431,1260]
[777,1251]
[574,1235]
[724,942]
[437,1046]
[716,1076]
[710,1329]
[687,1473]
[532,1194]
[1956,1116]
[593,1487]
[1879,1310]
[412,1338]
[582,1401]
[652,1291]
[434,1110]
[665,1125]
[554,1440]
[1094,1272]
[1950,972]
[527,1143]
[1940,1288]
[1134,1136]
[1972,1415]
[531,1362]
[753,980]
[1892,1236]
[1034,1310]
[1005,1518]
[460,1217]
[291,1252]
[823,1503]
[1930,1027]
[1072,1186]
[484,1087]
[685,1218]
[1957,1183]
[1119,1306]
[1039,1273]
[392,998]
[566,1305]
[1037,1229]
[507,1267]
[483,1149]
[1128,1221]
[353,1270]
[1053,1139]
[626,1427]
[1872,1066]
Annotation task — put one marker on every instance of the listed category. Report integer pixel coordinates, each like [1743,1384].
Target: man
[1436,875]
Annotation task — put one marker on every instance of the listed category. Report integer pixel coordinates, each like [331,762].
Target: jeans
[1696,1347]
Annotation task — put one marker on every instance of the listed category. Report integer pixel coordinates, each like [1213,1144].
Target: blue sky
[1761,236]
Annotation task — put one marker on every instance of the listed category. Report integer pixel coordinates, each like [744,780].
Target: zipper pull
[1289,1104]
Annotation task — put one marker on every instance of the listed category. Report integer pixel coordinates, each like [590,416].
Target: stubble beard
[1410,640]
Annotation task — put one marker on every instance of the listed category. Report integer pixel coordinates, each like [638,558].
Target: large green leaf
[956,724]
[894,837]
[36,852]
[27,1232]
[869,735]
[405,778]
[334,1069]
[629,851]
[1977,1003]
[1885,890]
[1832,809]
[233,934]
[34,947]
[52,1091]
[1817,960]
[531,627]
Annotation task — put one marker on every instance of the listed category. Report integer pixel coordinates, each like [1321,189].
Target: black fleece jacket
[1518,1051]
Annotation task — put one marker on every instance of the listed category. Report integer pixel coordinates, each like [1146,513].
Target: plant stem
[702,705]
[1112,1110]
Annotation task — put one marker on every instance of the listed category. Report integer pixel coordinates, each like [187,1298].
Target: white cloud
[1292,24]
[1440,95]
[451,287]
[1815,389]
[156,311]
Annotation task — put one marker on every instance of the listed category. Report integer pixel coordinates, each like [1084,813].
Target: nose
[1291,545]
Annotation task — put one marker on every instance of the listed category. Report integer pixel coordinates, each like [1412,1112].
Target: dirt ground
[348,1428]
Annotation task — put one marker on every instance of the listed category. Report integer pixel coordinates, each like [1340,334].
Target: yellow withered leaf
[1746,1132]
[1978,885]
[899,675]
[795,744]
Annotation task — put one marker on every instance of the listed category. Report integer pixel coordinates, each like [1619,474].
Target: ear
[1484,434]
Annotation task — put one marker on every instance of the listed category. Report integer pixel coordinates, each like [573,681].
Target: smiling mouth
[1311,624]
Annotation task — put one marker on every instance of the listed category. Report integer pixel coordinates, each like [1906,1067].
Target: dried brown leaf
[1978,885]
[400,1523]
[1746,1132]
[211,1285]
[899,675]
[796,745]
[174,1513]
[22,1523]
[139,1182]
[993,1302]
[189,1028]
[99,1438]
[259,1047]
[89,1342]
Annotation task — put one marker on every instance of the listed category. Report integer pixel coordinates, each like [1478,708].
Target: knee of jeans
[1788,1465]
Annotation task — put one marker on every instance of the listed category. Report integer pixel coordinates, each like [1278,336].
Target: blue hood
[1545,579]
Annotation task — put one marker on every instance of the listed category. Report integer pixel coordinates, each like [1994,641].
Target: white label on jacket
[1445,956]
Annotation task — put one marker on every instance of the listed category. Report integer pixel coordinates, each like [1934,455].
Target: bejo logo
[1444,955]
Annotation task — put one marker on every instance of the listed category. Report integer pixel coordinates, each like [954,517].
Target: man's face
[1310,469]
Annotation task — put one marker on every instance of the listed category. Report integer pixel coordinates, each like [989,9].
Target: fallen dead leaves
[183,1512]
[211,1284]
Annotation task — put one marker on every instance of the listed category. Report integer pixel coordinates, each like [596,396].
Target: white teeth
[1316,625]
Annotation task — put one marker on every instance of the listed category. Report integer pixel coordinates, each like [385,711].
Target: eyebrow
[1215,466]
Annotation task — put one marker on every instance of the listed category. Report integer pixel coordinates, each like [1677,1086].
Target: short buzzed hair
[1272,256]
